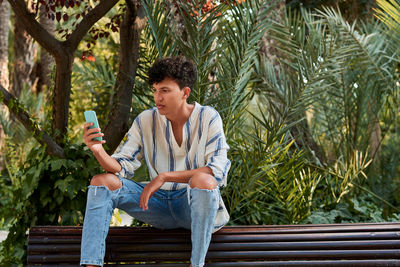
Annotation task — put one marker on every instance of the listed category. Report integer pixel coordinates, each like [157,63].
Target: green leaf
[57,164]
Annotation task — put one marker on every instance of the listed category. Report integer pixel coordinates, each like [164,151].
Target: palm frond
[157,35]
[198,40]
[330,70]
[242,32]
[389,13]
[156,42]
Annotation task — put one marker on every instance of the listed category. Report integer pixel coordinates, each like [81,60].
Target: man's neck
[181,115]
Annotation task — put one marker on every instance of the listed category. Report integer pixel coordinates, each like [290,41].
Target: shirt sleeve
[131,152]
[216,150]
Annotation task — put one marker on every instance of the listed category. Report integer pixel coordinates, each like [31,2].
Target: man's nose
[157,96]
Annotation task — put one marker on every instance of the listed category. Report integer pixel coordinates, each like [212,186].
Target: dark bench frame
[362,244]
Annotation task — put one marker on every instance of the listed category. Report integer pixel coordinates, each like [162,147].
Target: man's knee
[203,181]
[106,179]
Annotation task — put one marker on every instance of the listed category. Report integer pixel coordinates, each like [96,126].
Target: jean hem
[198,265]
[91,262]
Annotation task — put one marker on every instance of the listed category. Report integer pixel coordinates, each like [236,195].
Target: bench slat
[236,255]
[353,245]
[356,263]
[311,228]
[167,238]
[370,244]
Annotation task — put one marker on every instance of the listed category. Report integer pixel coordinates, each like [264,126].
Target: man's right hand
[89,134]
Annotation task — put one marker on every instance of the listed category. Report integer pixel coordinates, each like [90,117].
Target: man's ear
[186,92]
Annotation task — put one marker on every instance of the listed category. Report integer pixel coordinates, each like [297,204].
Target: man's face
[168,96]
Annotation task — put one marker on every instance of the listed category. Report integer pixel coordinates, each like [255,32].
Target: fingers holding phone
[92,135]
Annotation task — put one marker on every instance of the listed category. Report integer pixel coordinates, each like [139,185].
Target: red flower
[90,58]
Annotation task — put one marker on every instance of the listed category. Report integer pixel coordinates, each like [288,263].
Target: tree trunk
[63,53]
[61,95]
[118,120]
[46,63]
[24,51]
[4,74]
[18,111]
[4,21]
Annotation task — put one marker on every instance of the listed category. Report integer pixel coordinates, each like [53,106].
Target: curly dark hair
[180,69]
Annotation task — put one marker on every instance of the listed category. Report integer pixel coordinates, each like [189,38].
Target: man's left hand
[149,190]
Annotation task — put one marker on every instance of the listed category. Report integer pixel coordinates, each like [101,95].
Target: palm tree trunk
[375,141]
[304,139]
[4,74]
[301,132]
[268,47]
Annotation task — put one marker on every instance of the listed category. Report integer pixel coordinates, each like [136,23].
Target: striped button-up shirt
[151,139]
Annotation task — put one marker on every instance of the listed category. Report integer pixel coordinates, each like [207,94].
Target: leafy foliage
[93,91]
[351,210]
[268,184]
[44,191]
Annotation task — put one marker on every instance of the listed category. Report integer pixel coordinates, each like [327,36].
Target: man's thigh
[158,214]
[180,207]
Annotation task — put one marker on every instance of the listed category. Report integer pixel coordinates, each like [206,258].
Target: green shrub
[44,191]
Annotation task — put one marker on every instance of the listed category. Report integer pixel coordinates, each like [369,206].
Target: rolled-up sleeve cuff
[218,175]
[124,172]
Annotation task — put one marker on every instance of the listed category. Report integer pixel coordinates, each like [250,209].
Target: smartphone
[90,116]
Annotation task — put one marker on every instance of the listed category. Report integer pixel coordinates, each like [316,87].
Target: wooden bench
[362,244]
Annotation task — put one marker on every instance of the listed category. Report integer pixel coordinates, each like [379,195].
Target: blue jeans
[194,210]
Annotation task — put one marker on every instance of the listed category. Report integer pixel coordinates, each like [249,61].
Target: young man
[184,148]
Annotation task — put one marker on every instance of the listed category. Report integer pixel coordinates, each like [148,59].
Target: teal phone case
[90,116]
